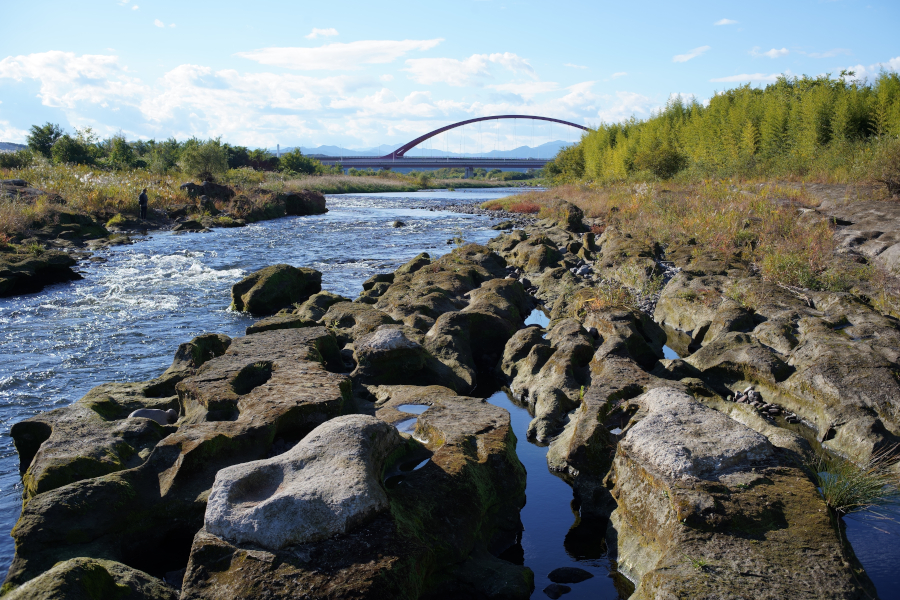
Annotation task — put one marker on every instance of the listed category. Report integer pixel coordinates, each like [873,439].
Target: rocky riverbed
[343,448]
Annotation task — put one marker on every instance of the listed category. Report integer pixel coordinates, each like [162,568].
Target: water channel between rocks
[124,321]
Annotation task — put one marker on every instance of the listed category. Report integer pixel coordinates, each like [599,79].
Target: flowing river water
[125,319]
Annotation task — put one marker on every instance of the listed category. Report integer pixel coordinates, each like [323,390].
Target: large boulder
[326,485]
[304,202]
[208,188]
[548,374]
[452,495]
[93,579]
[698,493]
[30,273]
[270,289]
[393,354]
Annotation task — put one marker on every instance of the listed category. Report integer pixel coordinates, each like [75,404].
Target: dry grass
[756,223]
[103,194]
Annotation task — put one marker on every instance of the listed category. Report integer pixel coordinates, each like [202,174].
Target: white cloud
[171,24]
[619,74]
[135,7]
[387,77]
[158,23]
[862,71]
[472,71]
[316,33]
[725,22]
[338,56]
[773,53]
[828,53]
[67,79]
[574,66]
[264,108]
[748,78]
[680,58]
[623,106]
[8,133]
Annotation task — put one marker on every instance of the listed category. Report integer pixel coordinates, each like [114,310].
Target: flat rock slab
[683,439]
[708,508]
[325,485]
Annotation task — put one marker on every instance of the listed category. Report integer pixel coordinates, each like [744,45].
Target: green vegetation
[203,159]
[848,487]
[836,129]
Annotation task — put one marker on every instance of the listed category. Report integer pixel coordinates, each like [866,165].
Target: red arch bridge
[398,159]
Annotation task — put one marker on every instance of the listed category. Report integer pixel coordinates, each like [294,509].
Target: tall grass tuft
[848,487]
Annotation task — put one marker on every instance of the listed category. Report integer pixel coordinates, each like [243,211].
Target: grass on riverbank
[103,194]
[755,222]
[848,487]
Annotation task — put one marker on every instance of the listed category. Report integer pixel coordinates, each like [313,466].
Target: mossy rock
[93,579]
[268,290]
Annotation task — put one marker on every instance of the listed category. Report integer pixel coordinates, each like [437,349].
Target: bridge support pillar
[470,172]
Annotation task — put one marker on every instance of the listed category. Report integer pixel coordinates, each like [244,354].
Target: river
[125,319]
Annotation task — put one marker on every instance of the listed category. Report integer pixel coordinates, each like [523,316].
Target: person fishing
[142,202]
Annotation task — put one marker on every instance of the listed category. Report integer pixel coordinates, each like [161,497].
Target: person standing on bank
[142,202]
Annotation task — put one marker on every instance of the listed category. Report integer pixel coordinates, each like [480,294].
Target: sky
[362,74]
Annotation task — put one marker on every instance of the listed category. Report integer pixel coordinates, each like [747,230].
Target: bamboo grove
[838,129]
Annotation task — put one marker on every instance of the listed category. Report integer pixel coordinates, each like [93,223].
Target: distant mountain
[547,150]
[10,147]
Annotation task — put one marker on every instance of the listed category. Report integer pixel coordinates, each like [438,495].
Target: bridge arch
[402,150]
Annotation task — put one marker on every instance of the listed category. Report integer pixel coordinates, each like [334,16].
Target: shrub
[16,160]
[888,167]
[118,219]
[43,137]
[75,151]
[295,162]
[525,207]
[663,162]
[121,154]
[423,180]
[204,159]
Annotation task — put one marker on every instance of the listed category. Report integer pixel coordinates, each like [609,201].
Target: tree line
[794,126]
[201,158]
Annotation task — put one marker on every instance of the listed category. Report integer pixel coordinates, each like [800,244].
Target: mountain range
[547,150]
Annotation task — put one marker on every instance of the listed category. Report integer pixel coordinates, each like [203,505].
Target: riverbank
[101,195]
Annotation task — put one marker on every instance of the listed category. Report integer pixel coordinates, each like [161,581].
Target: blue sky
[359,74]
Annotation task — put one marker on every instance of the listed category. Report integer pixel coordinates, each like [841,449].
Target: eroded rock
[327,484]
